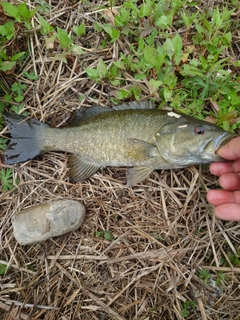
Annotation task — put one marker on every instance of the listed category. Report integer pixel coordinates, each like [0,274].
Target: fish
[134,134]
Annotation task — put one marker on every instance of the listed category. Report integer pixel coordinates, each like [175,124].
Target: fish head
[184,141]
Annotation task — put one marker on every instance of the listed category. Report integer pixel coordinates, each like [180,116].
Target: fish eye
[199,131]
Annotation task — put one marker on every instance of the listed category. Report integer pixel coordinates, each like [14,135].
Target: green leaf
[154,85]
[77,50]
[167,94]
[136,91]
[24,11]
[43,6]
[99,234]
[108,235]
[122,18]
[3,54]
[7,97]
[115,82]
[80,30]
[3,268]
[92,73]
[45,26]
[191,71]
[146,9]
[97,27]
[169,48]
[18,98]
[3,142]
[3,30]
[7,30]
[200,29]
[217,18]
[64,40]
[208,26]
[114,72]
[99,72]
[149,54]
[140,76]
[203,62]
[30,75]
[170,80]
[17,109]
[11,10]
[177,44]
[164,22]
[18,87]
[228,36]
[186,19]
[123,94]
[113,33]
[101,68]
[7,65]
[17,56]
[184,313]
[119,64]
[7,179]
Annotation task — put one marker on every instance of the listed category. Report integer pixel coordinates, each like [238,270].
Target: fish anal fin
[137,174]
[80,169]
[80,115]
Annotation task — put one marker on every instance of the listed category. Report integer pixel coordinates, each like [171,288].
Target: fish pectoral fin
[80,169]
[139,150]
[145,104]
[137,174]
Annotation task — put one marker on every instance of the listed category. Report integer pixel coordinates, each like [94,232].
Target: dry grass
[164,231]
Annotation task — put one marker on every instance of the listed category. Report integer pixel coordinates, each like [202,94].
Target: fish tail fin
[25,143]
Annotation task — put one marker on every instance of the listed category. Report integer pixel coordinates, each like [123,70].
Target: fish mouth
[212,145]
[221,140]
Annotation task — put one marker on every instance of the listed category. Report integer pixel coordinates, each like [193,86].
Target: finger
[230,181]
[228,211]
[219,168]
[219,197]
[231,150]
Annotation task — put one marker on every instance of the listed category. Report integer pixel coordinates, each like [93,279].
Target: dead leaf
[109,14]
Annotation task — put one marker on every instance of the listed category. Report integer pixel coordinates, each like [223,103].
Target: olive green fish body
[131,135]
[118,138]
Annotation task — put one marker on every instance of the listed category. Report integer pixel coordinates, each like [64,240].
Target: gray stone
[47,220]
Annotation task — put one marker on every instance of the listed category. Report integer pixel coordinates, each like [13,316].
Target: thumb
[231,150]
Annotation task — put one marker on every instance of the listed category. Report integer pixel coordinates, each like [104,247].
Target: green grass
[188,307]
[6,177]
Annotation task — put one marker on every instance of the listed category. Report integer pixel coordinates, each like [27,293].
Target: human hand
[227,201]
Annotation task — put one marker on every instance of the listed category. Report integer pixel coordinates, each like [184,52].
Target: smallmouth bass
[134,134]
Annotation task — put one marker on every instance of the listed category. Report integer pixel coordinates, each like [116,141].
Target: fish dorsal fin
[146,104]
[137,174]
[80,169]
[80,115]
